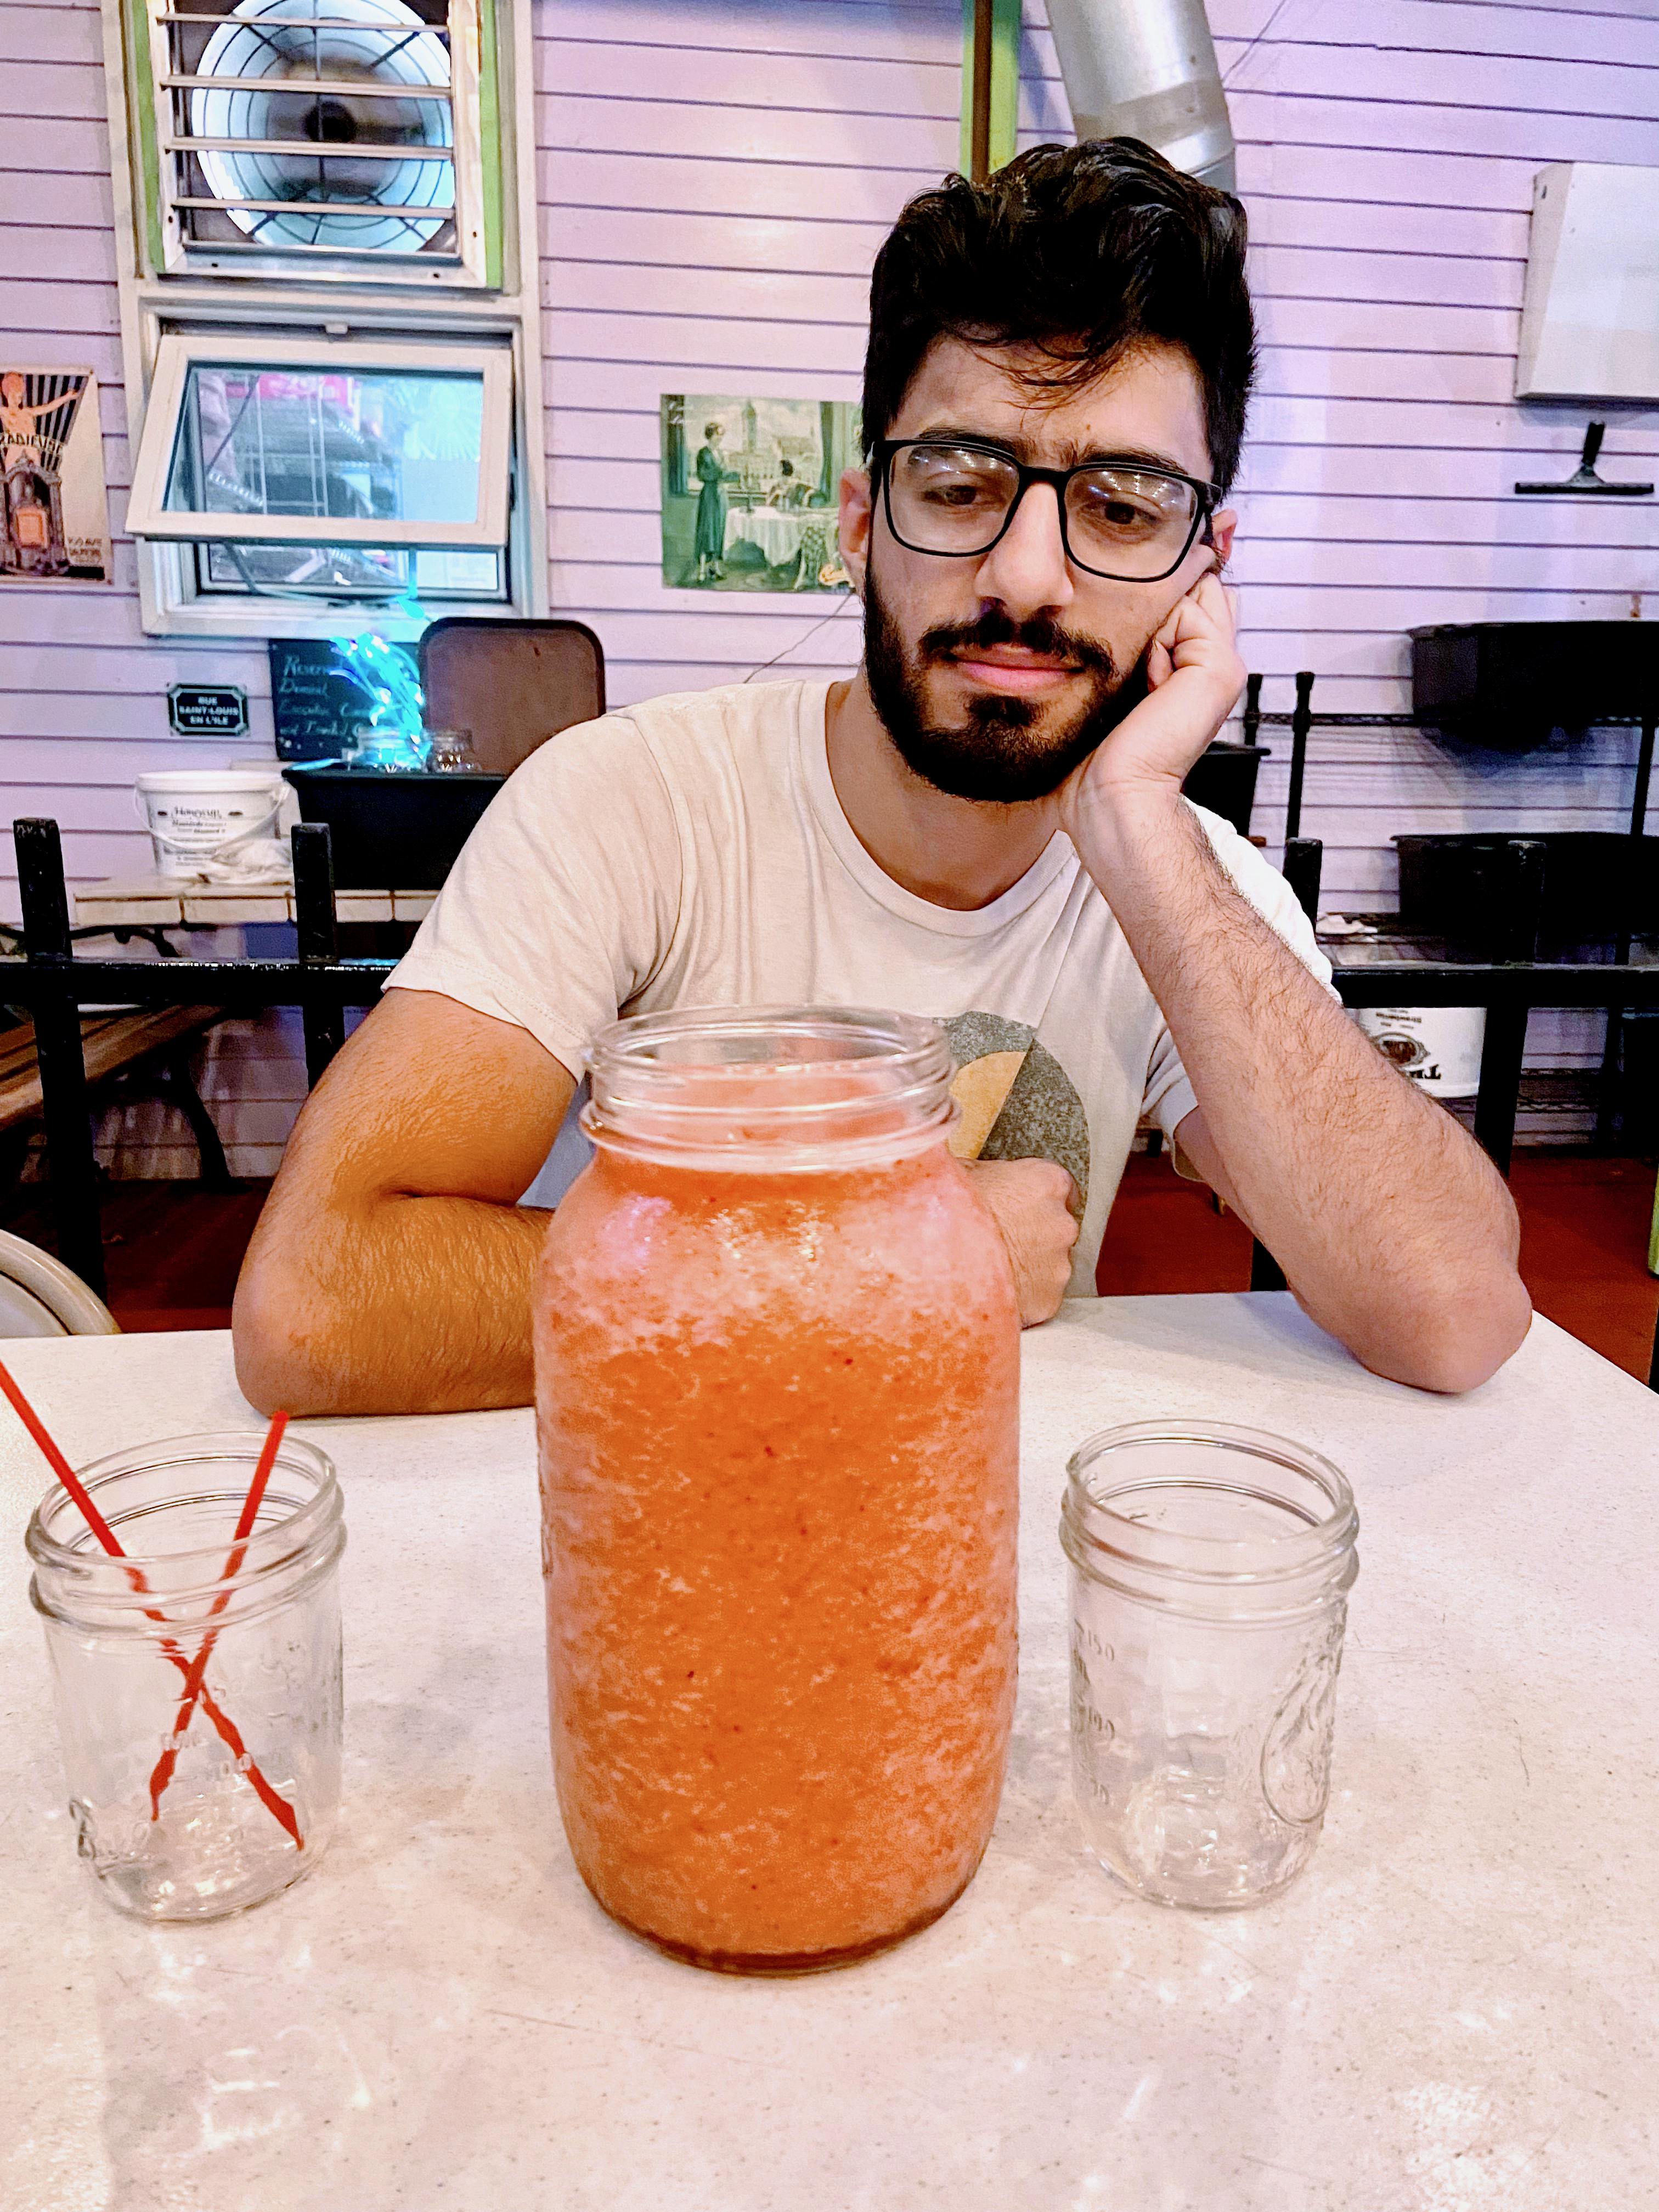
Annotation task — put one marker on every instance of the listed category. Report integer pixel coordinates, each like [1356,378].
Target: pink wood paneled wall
[715,175]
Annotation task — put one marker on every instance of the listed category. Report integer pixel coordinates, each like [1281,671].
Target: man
[985,824]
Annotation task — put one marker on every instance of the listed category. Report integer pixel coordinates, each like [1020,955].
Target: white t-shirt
[692,852]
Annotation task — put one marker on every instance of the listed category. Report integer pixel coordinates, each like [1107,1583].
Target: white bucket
[1438,1046]
[197,814]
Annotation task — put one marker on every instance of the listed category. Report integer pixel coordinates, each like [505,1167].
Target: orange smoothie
[778,1427]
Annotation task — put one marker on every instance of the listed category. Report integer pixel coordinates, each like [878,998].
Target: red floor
[172,1251]
[1583,1245]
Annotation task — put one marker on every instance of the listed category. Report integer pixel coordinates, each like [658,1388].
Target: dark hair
[711,429]
[1083,251]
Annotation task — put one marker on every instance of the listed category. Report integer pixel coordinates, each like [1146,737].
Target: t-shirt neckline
[1056,858]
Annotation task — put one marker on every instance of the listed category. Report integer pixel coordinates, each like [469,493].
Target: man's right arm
[392,1270]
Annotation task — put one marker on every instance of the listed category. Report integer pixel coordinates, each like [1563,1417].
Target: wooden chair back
[514,684]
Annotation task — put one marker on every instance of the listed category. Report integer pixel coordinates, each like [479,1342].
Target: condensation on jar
[777,1355]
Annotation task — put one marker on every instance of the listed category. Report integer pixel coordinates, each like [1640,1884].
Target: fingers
[1211,606]
[1036,1204]
[1053,1182]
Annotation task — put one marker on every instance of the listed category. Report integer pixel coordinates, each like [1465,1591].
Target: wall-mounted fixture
[1589,324]
[1146,68]
[1585,479]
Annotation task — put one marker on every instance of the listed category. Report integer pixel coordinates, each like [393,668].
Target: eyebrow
[1073,456]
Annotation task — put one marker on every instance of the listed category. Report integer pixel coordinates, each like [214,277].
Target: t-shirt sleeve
[563,902]
[1168,1097]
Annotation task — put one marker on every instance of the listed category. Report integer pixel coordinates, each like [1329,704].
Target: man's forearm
[1394,1229]
[418,1304]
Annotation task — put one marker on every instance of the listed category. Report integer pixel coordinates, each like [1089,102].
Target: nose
[1026,570]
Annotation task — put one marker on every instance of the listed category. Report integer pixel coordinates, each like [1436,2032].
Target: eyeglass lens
[1121,520]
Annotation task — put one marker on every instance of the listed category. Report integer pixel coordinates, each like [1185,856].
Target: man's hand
[391,1270]
[1031,1202]
[1194,676]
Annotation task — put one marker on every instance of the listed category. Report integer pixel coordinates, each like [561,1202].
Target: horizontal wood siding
[715,177]
[1386,155]
[83,692]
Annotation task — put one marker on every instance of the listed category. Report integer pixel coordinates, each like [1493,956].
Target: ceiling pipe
[1146,70]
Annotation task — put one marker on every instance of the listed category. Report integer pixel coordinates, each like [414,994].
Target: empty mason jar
[247,1802]
[1210,1567]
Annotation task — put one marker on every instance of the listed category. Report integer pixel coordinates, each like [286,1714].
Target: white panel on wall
[1589,321]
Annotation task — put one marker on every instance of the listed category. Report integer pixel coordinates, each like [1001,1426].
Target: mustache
[1040,634]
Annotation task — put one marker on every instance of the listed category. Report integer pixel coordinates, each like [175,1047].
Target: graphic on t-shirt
[1017,1102]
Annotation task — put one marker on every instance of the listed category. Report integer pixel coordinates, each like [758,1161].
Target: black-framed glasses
[1118,518]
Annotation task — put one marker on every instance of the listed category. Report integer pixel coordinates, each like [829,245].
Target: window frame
[178,352]
[155,304]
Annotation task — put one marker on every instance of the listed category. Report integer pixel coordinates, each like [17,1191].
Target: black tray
[1508,684]
[392,831]
[1596,882]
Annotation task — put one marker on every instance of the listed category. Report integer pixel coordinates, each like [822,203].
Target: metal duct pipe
[1146,70]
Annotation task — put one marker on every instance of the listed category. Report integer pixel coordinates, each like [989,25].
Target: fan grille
[299,132]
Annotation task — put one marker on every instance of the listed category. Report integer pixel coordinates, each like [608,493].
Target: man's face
[996,675]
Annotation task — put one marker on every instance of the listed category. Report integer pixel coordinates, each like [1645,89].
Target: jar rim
[1264,1556]
[312,1521]
[836,1087]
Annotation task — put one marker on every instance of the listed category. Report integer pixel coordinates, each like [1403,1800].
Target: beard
[1010,750]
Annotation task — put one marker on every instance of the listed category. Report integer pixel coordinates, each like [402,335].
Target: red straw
[279,1807]
[250,1513]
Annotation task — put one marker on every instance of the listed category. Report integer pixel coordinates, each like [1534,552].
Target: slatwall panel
[1386,156]
[716,180]
[715,175]
[82,694]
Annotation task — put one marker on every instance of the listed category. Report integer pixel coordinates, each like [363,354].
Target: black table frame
[55,985]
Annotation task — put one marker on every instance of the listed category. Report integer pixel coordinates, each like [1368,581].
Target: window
[329,310]
[256,442]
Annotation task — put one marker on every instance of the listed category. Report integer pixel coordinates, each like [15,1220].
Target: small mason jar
[1210,1567]
[777,1378]
[198,1785]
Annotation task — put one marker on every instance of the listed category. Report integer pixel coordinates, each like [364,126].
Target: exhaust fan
[293,132]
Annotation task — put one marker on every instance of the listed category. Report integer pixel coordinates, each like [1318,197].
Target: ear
[1222,526]
[857,515]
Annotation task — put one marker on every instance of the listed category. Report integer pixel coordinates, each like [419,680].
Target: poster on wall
[56,510]
[750,491]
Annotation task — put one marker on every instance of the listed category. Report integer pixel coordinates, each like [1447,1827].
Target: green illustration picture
[749,490]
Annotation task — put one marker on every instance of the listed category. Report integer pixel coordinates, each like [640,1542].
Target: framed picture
[749,492]
[54,521]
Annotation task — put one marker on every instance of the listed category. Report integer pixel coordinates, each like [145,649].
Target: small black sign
[208,710]
[315,704]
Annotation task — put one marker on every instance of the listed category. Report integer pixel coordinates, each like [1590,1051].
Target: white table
[193,903]
[777,530]
[1454,2008]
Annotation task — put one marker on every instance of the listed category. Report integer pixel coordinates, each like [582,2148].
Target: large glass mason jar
[777,1356]
[1210,1568]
